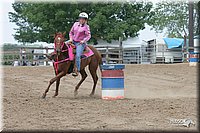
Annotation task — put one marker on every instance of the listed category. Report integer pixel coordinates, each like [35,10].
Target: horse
[63,66]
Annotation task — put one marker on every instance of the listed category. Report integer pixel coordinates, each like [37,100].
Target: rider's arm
[87,33]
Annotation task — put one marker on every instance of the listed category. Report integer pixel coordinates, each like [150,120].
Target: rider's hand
[70,41]
[81,42]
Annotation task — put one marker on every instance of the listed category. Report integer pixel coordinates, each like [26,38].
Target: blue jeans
[79,52]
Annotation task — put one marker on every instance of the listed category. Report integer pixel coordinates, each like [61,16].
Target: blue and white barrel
[193,58]
[112,81]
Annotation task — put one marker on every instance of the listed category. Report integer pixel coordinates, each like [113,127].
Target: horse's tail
[98,56]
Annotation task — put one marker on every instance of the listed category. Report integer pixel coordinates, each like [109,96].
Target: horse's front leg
[61,74]
[84,76]
[57,87]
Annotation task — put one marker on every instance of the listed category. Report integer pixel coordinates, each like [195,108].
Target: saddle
[71,55]
[72,52]
[86,50]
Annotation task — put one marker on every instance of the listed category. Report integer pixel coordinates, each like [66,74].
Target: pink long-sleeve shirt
[80,32]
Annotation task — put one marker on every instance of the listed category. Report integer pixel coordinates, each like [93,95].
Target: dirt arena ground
[154,95]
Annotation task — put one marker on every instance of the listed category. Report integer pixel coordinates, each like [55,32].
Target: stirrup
[74,74]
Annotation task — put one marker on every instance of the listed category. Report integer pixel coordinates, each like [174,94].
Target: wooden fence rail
[110,54]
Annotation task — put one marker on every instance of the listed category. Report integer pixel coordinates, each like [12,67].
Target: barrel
[193,58]
[112,81]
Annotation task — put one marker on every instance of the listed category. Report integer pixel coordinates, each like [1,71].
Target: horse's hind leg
[84,76]
[52,81]
[93,72]
[57,87]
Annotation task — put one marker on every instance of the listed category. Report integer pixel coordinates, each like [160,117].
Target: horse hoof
[43,96]
[54,96]
[92,94]
[75,93]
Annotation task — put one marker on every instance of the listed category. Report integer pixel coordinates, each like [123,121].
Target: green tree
[25,32]
[107,20]
[173,17]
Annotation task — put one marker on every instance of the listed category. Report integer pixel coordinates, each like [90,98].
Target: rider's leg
[71,43]
[75,71]
[79,51]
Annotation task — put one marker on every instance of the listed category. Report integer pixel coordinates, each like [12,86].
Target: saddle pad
[84,55]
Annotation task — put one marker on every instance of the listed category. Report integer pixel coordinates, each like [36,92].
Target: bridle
[57,56]
[62,45]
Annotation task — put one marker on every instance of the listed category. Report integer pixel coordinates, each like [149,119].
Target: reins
[57,60]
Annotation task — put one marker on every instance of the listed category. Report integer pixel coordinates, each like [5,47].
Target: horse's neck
[63,54]
[65,47]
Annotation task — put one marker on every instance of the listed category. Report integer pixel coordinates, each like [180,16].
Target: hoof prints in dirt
[150,100]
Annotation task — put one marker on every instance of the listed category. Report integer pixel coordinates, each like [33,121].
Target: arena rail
[110,55]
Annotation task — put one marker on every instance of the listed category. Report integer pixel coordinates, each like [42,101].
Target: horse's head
[59,41]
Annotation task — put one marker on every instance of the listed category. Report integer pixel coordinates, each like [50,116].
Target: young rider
[79,35]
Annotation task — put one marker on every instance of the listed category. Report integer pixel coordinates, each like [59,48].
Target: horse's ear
[52,35]
[64,33]
[55,34]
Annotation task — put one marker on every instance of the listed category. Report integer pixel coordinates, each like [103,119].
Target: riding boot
[75,71]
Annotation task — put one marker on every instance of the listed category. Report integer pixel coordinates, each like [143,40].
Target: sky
[7,28]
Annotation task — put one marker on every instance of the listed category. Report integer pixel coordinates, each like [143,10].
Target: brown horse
[66,67]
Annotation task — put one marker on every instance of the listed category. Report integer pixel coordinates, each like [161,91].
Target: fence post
[183,48]
[107,58]
[138,56]
[191,25]
[20,57]
[155,47]
[46,54]
[141,56]
[120,50]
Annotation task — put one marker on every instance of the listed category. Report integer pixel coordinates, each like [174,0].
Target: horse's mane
[59,34]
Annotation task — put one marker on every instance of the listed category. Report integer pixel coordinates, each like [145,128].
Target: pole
[107,57]
[20,57]
[120,50]
[191,25]
[154,46]
[46,54]
[163,56]
[141,55]
[183,48]
[198,21]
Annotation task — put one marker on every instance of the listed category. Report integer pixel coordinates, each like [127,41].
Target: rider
[79,35]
